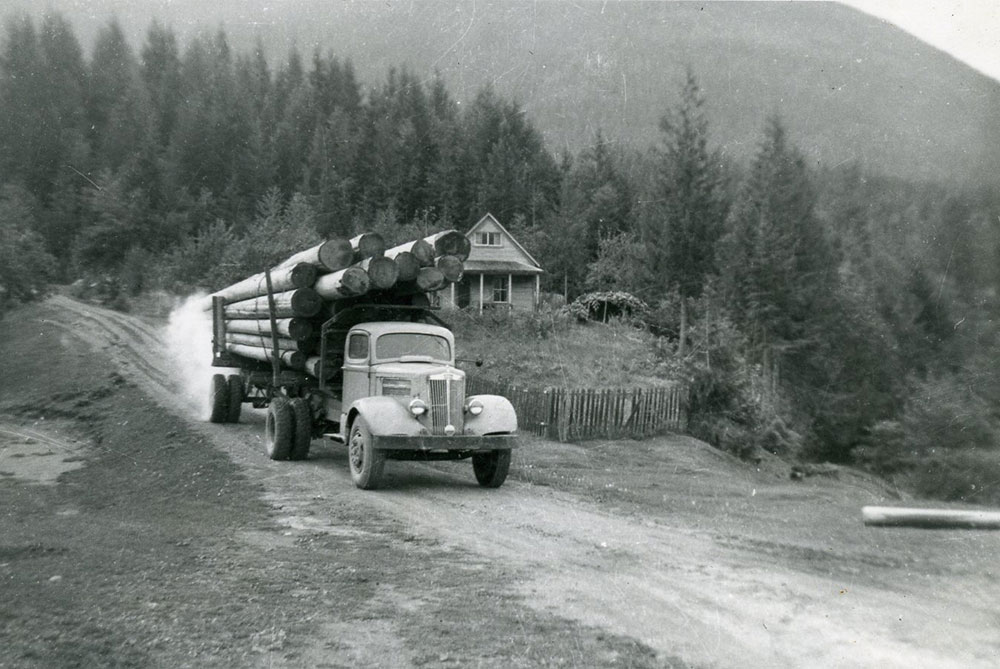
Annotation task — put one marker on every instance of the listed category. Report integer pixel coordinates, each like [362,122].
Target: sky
[969,30]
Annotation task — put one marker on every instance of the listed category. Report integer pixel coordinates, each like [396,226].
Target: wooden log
[450,243]
[306,346]
[408,266]
[292,328]
[330,256]
[423,251]
[428,280]
[289,359]
[886,516]
[298,303]
[382,272]
[348,282]
[451,267]
[367,245]
[300,275]
[313,364]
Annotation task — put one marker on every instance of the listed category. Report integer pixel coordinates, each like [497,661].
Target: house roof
[500,267]
[491,217]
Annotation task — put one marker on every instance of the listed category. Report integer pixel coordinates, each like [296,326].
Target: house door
[463,291]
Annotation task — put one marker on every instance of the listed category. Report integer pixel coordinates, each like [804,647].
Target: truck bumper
[441,443]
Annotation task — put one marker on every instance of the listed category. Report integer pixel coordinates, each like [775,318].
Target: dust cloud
[188,337]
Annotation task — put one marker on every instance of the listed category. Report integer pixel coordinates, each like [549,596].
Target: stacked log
[310,286]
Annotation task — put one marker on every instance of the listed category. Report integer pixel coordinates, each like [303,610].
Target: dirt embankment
[133,534]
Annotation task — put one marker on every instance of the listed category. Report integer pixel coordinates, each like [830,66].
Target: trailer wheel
[235,398]
[366,462]
[279,429]
[303,429]
[219,399]
[491,468]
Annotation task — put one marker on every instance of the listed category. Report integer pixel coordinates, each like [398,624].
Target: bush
[608,305]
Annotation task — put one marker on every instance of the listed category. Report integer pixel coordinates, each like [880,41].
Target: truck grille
[443,413]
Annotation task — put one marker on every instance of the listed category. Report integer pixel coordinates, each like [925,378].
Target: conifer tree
[688,207]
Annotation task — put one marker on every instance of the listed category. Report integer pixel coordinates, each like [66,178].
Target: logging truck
[384,383]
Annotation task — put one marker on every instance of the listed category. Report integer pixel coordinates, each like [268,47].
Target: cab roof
[378,328]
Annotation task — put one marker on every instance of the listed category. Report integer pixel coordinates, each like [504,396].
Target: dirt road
[656,553]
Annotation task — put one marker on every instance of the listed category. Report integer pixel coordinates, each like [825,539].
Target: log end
[355,281]
[408,266]
[430,279]
[451,267]
[303,275]
[452,243]
[368,245]
[306,302]
[383,273]
[424,252]
[336,254]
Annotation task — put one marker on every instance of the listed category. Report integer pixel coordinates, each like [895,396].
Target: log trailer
[385,384]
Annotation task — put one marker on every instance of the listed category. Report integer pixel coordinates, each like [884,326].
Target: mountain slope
[848,86]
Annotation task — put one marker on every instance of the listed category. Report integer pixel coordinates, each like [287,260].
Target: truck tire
[491,468]
[235,384]
[366,462]
[303,429]
[279,429]
[219,399]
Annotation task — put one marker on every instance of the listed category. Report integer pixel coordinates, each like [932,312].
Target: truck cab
[403,398]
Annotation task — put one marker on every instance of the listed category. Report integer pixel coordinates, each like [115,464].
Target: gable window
[501,290]
[488,239]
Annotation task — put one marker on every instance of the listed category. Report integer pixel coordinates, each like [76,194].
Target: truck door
[357,368]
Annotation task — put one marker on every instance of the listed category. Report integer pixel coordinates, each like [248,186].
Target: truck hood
[415,369]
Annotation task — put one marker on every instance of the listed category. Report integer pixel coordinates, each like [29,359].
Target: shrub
[607,305]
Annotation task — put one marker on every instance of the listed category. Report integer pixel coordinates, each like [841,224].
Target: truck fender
[385,416]
[498,416]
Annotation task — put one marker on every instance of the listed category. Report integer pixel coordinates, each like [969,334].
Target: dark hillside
[849,86]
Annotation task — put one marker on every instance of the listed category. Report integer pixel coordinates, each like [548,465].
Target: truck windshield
[398,344]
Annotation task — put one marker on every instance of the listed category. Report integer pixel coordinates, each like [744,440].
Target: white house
[499,273]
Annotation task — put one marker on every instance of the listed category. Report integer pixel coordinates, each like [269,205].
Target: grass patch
[551,349]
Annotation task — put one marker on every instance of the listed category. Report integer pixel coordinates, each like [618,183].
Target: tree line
[824,309]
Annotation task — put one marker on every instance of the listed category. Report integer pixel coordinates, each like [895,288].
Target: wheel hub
[357,451]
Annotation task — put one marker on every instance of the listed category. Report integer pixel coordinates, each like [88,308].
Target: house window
[501,290]
[488,239]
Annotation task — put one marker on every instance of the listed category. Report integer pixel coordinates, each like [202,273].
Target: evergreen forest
[820,312]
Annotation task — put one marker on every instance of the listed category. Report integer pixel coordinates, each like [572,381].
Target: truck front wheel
[279,429]
[491,468]
[366,462]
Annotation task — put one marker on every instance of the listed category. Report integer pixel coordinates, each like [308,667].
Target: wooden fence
[569,414]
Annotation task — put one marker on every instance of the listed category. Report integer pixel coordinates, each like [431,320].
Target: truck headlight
[475,407]
[417,407]
[396,387]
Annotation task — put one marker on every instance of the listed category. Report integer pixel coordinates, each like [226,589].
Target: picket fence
[567,414]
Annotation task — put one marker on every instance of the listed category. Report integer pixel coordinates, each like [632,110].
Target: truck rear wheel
[219,399]
[279,429]
[366,462]
[491,468]
[303,429]
[235,384]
